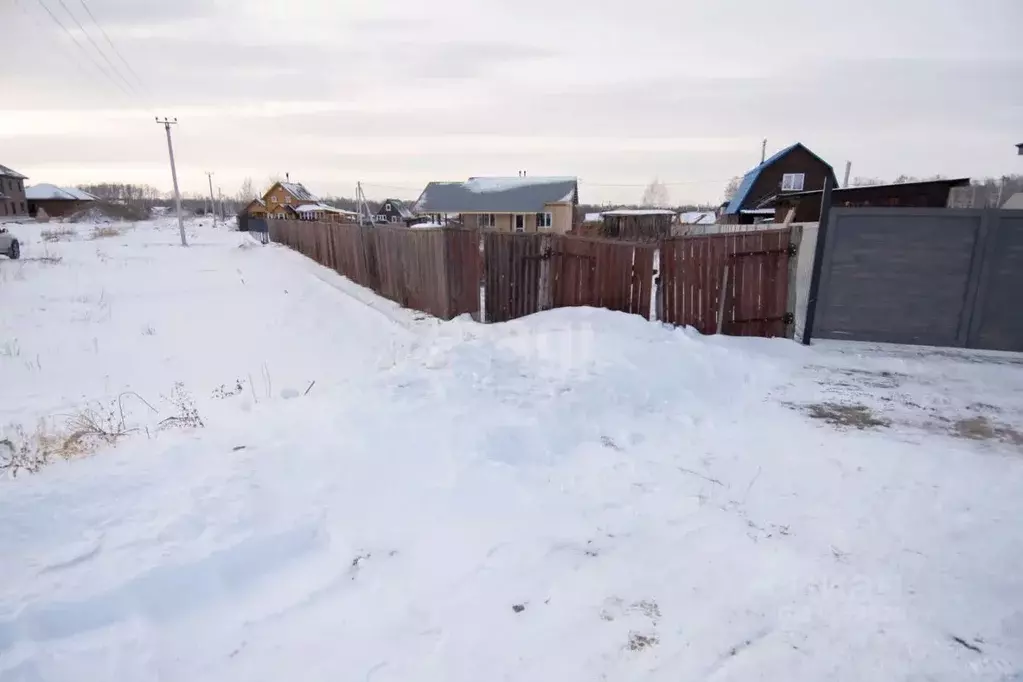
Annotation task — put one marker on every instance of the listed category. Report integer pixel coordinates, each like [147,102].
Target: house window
[543,220]
[273,199]
[792,182]
[23,207]
[387,207]
[520,223]
[394,218]
[486,220]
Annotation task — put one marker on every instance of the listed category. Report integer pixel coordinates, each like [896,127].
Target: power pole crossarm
[167,123]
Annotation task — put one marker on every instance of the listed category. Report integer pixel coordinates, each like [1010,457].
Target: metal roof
[496,195]
[298,190]
[11,173]
[751,177]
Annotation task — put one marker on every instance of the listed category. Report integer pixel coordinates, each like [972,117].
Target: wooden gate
[733,284]
[603,273]
[512,265]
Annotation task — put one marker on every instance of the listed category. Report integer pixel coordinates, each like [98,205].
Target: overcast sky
[400,92]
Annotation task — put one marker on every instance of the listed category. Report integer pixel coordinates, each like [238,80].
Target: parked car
[9,245]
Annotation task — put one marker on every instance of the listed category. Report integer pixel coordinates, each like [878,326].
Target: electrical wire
[81,47]
[96,46]
[113,47]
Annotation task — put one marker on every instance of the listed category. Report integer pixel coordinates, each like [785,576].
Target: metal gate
[938,277]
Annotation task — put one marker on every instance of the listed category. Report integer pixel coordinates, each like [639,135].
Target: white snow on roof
[698,217]
[310,208]
[1014,202]
[483,185]
[298,190]
[46,191]
[639,211]
[569,197]
[593,217]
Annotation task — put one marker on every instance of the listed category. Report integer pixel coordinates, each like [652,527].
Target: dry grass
[858,416]
[57,234]
[105,231]
[982,428]
[80,434]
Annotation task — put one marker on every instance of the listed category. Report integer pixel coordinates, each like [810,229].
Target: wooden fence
[730,283]
[435,271]
[736,284]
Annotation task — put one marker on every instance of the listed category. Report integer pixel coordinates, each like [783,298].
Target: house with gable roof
[792,169]
[12,193]
[506,204]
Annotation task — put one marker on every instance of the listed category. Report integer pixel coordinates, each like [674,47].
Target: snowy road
[578,495]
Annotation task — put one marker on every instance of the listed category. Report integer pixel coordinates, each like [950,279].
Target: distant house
[255,208]
[57,201]
[793,169]
[923,194]
[506,204]
[637,223]
[394,211]
[1019,149]
[283,197]
[12,193]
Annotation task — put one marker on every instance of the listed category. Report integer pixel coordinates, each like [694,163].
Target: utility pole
[213,202]
[223,211]
[763,150]
[167,123]
[848,169]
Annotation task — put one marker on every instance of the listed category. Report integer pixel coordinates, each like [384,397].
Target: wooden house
[793,169]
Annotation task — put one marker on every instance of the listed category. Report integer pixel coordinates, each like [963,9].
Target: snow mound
[579,494]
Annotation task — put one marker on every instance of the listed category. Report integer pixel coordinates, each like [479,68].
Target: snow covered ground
[578,495]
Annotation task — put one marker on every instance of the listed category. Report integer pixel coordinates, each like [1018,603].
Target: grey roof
[10,172]
[497,195]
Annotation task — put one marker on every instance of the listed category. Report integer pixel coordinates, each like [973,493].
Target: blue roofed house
[793,169]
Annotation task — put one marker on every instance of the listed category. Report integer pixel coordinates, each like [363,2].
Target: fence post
[546,294]
[818,262]
[795,247]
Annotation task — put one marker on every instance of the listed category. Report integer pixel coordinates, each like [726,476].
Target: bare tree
[656,195]
[732,188]
[248,192]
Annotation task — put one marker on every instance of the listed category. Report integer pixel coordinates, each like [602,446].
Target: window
[23,207]
[543,220]
[394,218]
[486,219]
[273,199]
[520,223]
[387,207]
[792,182]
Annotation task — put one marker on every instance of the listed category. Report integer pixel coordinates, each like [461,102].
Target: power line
[96,46]
[82,47]
[112,46]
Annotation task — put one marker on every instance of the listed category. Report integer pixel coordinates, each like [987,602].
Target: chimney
[287,177]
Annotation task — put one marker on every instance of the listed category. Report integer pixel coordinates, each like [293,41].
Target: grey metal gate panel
[997,322]
[898,275]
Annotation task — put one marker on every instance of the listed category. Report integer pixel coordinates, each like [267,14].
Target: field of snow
[315,484]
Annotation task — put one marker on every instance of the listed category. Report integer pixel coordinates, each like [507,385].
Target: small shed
[638,224]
